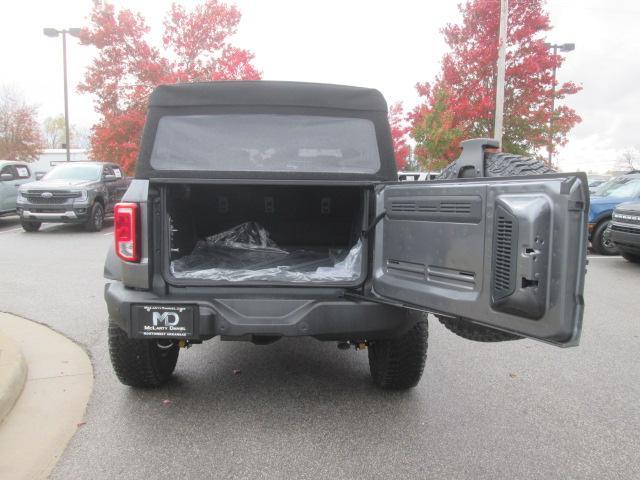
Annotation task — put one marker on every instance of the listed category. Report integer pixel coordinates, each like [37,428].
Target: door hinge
[365,233]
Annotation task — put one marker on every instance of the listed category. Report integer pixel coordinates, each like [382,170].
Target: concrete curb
[51,408]
[13,374]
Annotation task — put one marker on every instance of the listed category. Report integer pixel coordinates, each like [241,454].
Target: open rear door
[508,253]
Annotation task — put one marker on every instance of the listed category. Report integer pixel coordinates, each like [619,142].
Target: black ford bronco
[269,209]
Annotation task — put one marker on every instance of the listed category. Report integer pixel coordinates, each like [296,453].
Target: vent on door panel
[504,254]
[429,206]
[455,207]
[403,206]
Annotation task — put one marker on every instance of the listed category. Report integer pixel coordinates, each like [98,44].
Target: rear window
[266,143]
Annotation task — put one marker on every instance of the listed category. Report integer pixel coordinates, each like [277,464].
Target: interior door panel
[508,253]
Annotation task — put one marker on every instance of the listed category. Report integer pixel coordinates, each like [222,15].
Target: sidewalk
[58,383]
[13,374]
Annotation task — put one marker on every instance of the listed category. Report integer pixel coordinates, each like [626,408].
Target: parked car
[621,189]
[595,181]
[418,176]
[12,175]
[261,210]
[625,230]
[75,192]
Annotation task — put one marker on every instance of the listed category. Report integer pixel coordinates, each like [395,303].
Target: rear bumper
[326,319]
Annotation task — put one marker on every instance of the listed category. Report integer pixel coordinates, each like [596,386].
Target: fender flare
[112,265]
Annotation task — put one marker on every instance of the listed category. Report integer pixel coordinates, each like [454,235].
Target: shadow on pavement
[70,228]
[13,221]
[8,222]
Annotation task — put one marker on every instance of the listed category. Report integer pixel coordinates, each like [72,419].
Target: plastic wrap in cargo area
[247,253]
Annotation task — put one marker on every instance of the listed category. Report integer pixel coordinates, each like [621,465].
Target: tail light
[125,231]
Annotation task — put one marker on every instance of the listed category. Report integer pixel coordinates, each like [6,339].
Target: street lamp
[565,47]
[75,32]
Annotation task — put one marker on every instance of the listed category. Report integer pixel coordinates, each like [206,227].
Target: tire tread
[596,239]
[139,363]
[478,333]
[90,225]
[30,226]
[398,363]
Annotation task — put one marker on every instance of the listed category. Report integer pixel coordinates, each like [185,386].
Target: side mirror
[6,177]
[110,178]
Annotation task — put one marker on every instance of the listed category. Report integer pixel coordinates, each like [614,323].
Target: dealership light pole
[75,32]
[502,53]
[565,47]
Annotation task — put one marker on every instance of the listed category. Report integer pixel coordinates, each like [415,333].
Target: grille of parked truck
[261,210]
[625,230]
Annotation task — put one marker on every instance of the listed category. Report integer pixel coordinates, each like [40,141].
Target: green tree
[434,131]
[53,131]
[54,135]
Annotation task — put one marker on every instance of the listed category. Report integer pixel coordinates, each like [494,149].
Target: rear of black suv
[270,209]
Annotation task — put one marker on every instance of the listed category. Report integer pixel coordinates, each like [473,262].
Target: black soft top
[291,94]
[267,97]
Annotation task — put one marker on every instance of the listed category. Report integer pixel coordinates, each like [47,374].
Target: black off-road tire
[95,221]
[600,239]
[398,363]
[477,333]
[506,165]
[30,226]
[630,257]
[140,363]
[496,165]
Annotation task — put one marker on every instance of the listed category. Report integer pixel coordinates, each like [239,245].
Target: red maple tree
[466,83]
[399,130]
[195,47]
[20,137]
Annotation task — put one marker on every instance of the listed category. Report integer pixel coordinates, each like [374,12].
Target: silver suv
[12,175]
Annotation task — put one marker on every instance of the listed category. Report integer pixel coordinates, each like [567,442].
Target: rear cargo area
[257,233]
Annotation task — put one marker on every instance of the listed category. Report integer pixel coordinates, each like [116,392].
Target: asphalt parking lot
[304,409]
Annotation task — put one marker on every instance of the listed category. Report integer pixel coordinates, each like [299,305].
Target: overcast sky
[387,45]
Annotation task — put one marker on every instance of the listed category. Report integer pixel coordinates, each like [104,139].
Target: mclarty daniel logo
[169,319]
[164,320]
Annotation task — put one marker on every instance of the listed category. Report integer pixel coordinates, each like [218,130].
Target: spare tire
[495,165]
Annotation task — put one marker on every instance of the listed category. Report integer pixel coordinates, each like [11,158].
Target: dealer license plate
[163,321]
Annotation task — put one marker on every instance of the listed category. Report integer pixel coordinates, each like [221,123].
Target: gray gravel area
[304,409]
